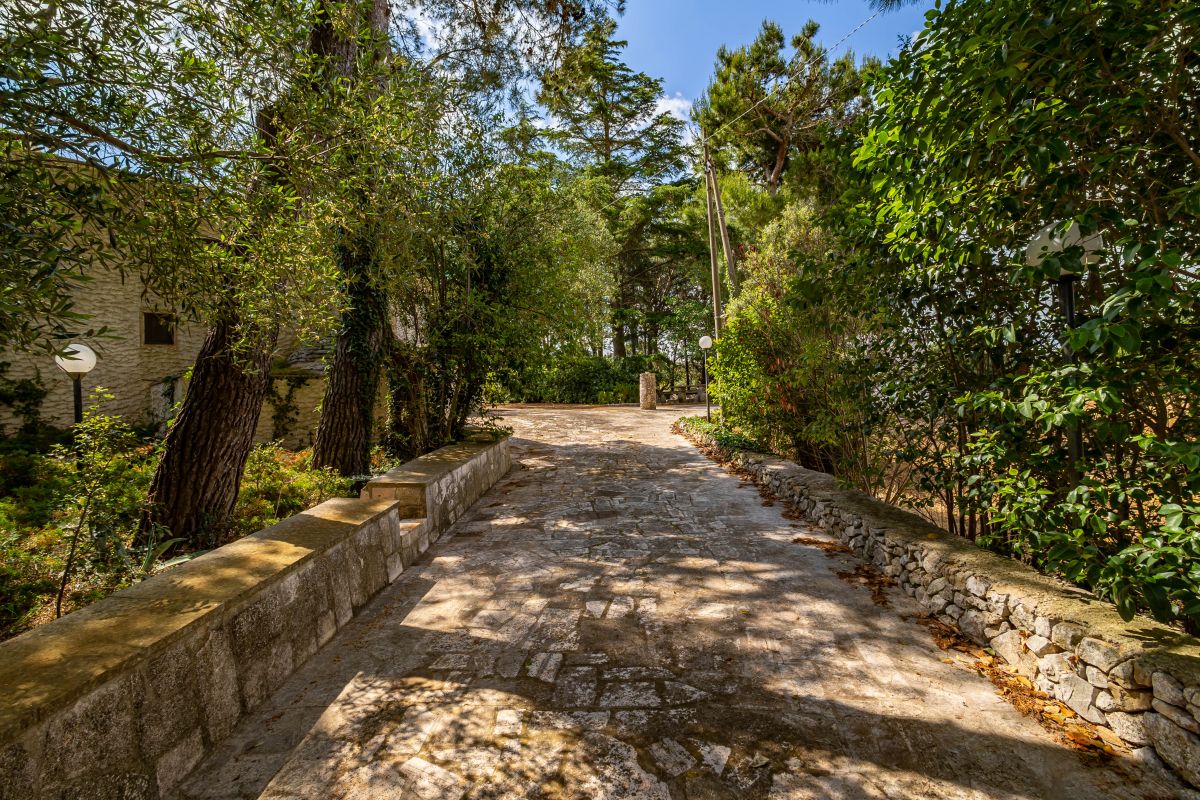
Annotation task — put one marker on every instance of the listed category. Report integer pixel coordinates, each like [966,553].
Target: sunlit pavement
[619,618]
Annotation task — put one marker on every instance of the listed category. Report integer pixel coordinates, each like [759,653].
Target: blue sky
[677,40]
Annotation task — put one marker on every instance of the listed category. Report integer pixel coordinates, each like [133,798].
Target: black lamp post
[1052,240]
[77,360]
[706,344]
[1066,299]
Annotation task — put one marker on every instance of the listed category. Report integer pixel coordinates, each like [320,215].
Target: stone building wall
[147,380]
[292,411]
[144,379]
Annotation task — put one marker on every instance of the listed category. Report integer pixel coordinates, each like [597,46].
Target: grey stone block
[1099,653]
[174,765]
[1177,715]
[1067,635]
[1130,727]
[1175,746]
[216,674]
[1080,697]
[18,766]
[1167,689]
[99,732]
[168,706]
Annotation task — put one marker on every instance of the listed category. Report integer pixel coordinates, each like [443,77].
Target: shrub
[721,434]
[583,379]
[69,518]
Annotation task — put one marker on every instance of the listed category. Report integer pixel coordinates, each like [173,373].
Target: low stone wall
[1141,679]
[122,698]
[432,487]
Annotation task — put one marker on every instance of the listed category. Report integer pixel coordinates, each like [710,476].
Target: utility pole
[712,245]
[710,172]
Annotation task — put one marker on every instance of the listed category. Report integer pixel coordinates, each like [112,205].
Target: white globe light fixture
[706,344]
[1051,240]
[77,360]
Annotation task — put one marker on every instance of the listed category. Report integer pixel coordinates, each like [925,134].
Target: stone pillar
[649,393]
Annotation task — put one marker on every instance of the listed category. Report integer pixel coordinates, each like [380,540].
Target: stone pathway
[618,618]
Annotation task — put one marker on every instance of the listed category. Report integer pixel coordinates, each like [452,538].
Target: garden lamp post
[77,360]
[1051,240]
[706,344]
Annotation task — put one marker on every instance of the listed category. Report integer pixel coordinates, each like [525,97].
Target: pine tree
[608,123]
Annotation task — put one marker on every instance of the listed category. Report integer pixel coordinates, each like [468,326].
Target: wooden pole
[712,247]
[735,285]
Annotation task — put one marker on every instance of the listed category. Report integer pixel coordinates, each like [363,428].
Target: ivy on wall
[285,414]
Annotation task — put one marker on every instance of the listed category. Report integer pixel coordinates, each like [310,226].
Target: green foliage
[764,108]
[73,514]
[720,432]
[285,411]
[607,114]
[1071,118]
[790,369]
[163,173]
[607,121]
[491,47]
[503,259]
[23,397]
[279,483]
[581,378]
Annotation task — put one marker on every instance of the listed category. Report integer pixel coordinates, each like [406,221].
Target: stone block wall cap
[432,466]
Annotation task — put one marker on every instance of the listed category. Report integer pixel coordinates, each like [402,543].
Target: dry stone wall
[1140,679]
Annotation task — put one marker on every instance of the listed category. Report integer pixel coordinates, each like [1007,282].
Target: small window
[158,328]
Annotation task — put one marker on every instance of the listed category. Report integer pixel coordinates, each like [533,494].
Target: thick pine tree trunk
[343,441]
[618,339]
[196,483]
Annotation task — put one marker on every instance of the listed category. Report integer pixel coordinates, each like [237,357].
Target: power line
[693,146]
[768,96]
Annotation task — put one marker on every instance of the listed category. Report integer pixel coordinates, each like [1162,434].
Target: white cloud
[428,29]
[677,106]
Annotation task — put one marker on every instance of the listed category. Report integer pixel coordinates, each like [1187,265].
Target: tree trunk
[196,483]
[618,339]
[343,441]
[408,416]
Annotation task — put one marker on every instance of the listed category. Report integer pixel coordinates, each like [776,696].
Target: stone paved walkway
[618,618]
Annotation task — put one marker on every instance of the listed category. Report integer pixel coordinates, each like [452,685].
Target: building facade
[143,359]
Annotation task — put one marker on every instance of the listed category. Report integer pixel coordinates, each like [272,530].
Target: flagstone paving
[618,618]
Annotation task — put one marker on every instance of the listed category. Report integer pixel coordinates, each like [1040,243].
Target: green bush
[581,379]
[279,483]
[995,129]
[74,511]
[721,434]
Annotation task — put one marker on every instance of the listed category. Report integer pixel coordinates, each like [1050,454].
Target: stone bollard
[649,392]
